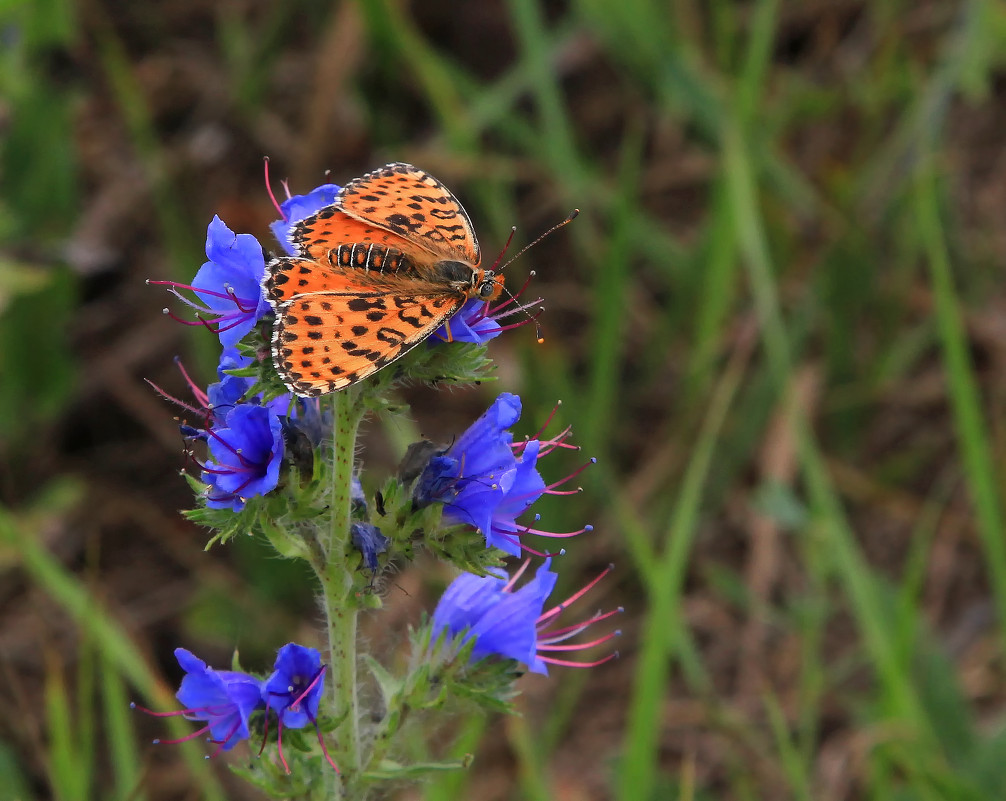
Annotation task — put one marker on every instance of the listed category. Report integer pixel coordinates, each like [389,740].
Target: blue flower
[294,692]
[229,390]
[472,477]
[223,698]
[296,208]
[229,285]
[526,487]
[487,481]
[511,623]
[295,688]
[501,620]
[369,541]
[244,458]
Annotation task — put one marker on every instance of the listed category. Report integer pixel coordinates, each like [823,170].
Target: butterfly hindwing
[327,232]
[326,340]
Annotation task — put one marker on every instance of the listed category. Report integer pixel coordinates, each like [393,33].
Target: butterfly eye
[487,289]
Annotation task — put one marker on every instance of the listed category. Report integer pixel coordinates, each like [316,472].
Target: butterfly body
[376,273]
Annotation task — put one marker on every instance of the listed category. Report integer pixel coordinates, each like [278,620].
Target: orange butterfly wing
[350,324]
[323,233]
[416,206]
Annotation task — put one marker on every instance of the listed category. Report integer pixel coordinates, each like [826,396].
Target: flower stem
[337,581]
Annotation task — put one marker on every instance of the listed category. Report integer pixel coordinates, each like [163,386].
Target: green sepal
[453,364]
[390,686]
[489,683]
[286,544]
[408,527]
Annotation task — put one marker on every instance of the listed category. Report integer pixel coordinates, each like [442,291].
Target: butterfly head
[472,281]
[487,285]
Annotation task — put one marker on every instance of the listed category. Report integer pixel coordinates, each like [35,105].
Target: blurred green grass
[784,297]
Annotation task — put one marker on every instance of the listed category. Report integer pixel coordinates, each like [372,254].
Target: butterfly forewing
[413,204]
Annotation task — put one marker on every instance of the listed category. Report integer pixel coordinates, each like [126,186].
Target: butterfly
[375,273]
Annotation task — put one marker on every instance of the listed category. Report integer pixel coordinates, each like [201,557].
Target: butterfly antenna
[526,248]
[534,318]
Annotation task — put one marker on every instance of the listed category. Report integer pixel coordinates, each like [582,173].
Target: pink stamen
[546,449]
[499,258]
[225,740]
[324,749]
[508,587]
[295,706]
[557,534]
[512,536]
[481,315]
[531,319]
[221,328]
[185,739]
[548,420]
[190,303]
[497,312]
[579,646]
[175,286]
[513,297]
[576,596]
[546,446]
[205,468]
[268,189]
[265,732]
[174,400]
[230,496]
[551,487]
[237,301]
[567,663]
[200,321]
[245,462]
[201,396]
[279,745]
[558,441]
[564,633]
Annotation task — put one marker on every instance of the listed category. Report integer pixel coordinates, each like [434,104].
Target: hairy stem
[341,609]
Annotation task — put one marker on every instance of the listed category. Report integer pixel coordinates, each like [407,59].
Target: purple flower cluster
[486,480]
[226,699]
[245,437]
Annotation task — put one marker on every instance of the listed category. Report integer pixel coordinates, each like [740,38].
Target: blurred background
[779,324]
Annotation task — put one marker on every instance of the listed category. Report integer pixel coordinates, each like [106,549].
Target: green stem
[337,581]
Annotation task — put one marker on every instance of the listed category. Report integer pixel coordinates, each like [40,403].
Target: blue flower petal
[470,324]
[223,698]
[230,283]
[298,207]
[245,457]
[502,622]
[369,541]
